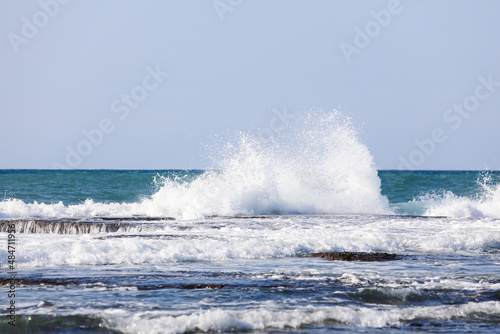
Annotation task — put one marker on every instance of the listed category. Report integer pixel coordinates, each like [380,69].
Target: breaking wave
[484,204]
[315,165]
[267,318]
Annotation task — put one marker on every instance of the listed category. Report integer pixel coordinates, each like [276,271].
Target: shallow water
[256,274]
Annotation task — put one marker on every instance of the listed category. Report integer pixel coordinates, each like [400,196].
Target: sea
[230,249]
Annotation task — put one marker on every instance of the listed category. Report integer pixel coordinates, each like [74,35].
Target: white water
[486,204]
[317,165]
[271,315]
[229,239]
[266,317]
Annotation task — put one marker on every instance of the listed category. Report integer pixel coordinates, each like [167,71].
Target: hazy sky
[145,84]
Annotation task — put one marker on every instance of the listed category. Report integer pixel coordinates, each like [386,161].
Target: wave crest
[316,165]
[485,204]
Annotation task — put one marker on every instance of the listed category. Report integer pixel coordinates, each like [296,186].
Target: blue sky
[146,84]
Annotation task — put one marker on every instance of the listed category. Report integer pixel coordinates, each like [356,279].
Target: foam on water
[16,208]
[272,316]
[316,165]
[268,317]
[226,240]
[484,204]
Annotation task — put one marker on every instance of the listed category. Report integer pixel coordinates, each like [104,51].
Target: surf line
[122,106]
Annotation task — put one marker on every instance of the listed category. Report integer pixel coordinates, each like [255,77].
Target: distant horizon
[206,169]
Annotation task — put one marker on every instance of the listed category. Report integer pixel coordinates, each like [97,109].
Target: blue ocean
[233,248]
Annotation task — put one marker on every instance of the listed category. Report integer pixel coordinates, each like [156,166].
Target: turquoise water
[105,186]
[404,186]
[73,187]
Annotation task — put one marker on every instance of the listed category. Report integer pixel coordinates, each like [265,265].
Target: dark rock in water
[356,256]
[83,225]
[98,282]
[136,218]
[38,282]
[202,286]
[237,217]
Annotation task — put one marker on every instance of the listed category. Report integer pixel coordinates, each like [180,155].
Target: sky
[124,84]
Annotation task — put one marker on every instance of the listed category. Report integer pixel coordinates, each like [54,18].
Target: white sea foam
[274,318]
[15,208]
[229,239]
[316,165]
[486,204]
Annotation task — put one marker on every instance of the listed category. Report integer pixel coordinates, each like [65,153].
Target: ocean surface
[230,249]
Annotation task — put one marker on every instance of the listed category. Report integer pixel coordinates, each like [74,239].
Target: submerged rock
[202,286]
[356,256]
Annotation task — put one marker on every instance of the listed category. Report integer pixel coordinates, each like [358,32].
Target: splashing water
[484,204]
[315,165]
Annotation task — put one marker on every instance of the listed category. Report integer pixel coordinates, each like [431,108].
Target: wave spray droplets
[316,165]
[485,204]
